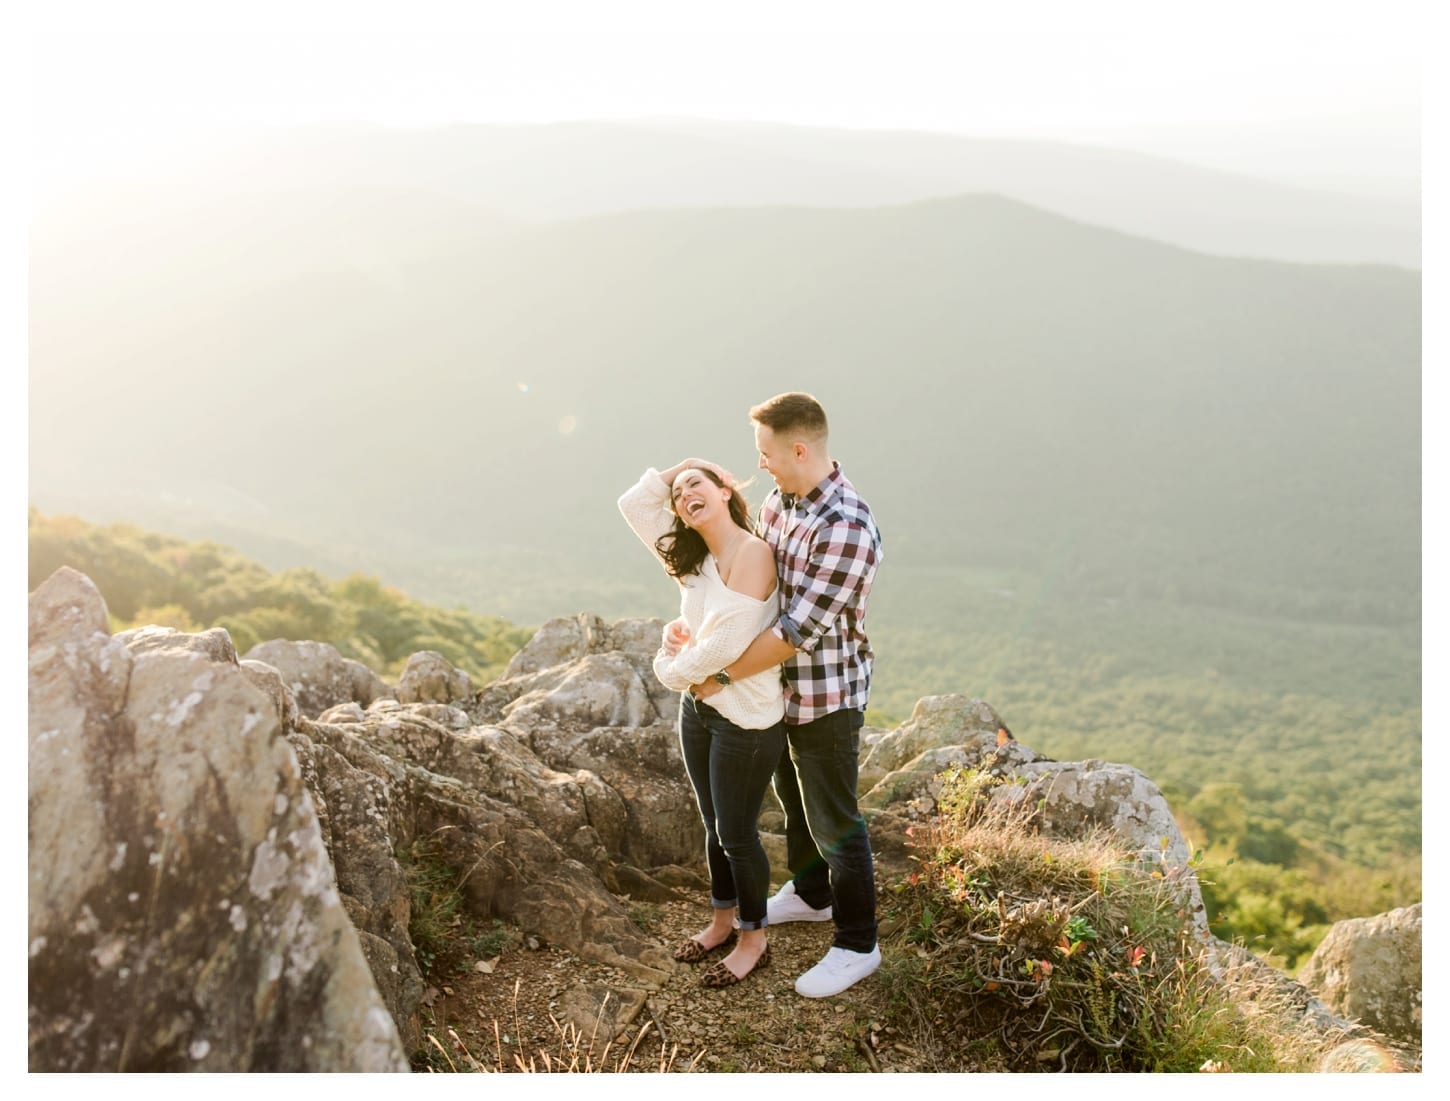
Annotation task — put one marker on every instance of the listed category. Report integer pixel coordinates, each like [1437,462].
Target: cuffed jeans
[827,846]
[730,768]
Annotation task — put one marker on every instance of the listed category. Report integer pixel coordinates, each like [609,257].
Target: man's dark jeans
[827,846]
[730,769]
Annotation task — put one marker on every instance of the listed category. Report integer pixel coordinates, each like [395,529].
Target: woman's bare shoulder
[754,571]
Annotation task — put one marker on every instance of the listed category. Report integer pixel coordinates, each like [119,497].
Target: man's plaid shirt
[826,552]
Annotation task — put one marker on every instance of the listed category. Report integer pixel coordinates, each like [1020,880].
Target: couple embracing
[773,666]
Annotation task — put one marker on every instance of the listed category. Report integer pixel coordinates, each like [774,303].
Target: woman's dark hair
[683,548]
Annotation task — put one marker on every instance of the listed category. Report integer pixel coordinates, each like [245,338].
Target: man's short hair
[792,414]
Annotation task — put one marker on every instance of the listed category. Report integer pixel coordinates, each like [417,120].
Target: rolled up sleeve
[839,569]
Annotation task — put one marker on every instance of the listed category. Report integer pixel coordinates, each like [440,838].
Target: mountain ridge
[1135,374]
[565,169]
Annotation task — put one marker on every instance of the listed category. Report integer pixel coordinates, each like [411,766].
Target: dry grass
[574,1053]
[1037,953]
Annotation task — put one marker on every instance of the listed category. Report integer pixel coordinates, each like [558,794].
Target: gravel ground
[538,1001]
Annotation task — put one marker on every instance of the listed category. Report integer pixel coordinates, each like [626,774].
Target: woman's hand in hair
[719,471]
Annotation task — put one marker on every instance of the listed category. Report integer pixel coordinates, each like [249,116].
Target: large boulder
[561,643]
[1369,969]
[429,678]
[214,645]
[1079,798]
[904,766]
[592,691]
[936,722]
[318,676]
[183,912]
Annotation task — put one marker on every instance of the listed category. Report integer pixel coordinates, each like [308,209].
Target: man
[827,549]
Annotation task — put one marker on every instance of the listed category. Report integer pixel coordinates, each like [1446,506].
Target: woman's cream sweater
[722,621]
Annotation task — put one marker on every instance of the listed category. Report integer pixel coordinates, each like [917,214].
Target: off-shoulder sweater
[722,622]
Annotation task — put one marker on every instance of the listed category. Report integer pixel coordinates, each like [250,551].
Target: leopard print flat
[692,951]
[720,976]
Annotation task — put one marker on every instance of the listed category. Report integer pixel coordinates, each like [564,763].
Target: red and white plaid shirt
[826,548]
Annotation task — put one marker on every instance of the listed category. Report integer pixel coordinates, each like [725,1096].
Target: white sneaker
[840,969]
[785,905]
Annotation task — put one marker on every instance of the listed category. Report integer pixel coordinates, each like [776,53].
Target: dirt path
[759,1025]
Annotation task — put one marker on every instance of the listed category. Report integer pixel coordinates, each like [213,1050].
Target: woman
[697,523]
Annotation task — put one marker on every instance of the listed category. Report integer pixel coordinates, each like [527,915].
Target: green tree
[1222,809]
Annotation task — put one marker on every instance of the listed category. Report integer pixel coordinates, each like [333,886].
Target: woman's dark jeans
[826,843]
[730,768]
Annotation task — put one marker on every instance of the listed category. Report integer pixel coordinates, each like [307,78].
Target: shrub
[1052,954]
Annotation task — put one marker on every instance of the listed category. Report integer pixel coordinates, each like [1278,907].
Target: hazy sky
[1324,92]
[1313,93]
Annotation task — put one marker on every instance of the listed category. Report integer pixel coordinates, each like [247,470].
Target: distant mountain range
[393,384]
[572,170]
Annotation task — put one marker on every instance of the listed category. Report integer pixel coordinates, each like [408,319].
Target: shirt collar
[818,493]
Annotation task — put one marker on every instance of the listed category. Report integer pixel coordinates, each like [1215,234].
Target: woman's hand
[676,635]
[720,472]
[705,689]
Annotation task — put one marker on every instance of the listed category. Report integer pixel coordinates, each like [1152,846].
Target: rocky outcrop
[1348,1047]
[1083,797]
[1370,970]
[901,780]
[582,696]
[534,819]
[224,852]
[168,779]
[269,680]
[362,828]
[183,911]
[563,641]
[523,841]
[318,676]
